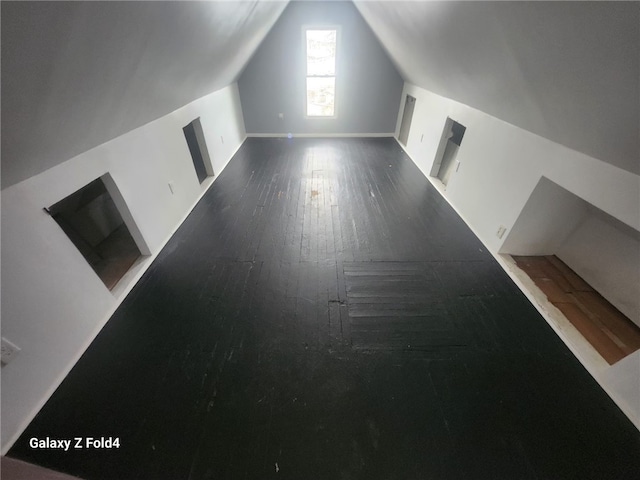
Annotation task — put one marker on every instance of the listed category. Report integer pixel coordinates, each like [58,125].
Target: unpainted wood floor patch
[607,329]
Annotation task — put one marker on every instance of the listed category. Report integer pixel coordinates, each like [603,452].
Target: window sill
[318,117]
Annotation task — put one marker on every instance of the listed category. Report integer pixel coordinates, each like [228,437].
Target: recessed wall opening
[91,217]
[198,148]
[585,262]
[445,163]
[407,117]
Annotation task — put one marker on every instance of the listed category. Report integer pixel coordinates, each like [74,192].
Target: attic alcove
[444,164]
[194,136]
[601,249]
[407,117]
[93,218]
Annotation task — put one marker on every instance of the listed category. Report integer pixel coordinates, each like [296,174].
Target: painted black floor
[324,314]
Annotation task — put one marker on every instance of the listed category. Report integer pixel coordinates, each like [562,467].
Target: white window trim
[335,76]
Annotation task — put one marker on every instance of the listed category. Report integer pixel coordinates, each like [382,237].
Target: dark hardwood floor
[324,314]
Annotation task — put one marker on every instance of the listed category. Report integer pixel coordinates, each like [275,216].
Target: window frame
[305,29]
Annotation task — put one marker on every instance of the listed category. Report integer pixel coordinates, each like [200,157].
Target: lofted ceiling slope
[77,74]
[567,71]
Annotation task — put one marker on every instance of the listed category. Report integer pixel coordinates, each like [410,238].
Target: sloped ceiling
[77,74]
[567,71]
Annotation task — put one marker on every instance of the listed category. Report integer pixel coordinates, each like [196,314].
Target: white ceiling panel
[77,74]
[568,71]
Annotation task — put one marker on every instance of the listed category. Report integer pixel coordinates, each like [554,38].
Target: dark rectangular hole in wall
[457,133]
[198,149]
[93,223]
[407,116]
[445,163]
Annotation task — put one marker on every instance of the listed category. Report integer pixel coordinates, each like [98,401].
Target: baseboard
[320,135]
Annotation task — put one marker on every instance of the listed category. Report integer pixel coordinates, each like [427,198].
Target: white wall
[550,215]
[53,304]
[623,377]
[608,258]
[500,166]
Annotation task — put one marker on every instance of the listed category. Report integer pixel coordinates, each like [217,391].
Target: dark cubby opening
[91,220]
[445,164]
[198,148]
[407,117]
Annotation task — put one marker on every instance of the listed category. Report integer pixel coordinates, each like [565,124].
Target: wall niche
[194,135]
[445,164]
[92,218]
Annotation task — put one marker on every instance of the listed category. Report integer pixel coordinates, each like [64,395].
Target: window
[321,71]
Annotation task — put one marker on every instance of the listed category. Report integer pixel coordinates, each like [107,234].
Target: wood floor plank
[576,282]
[594,335]
[619,325]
